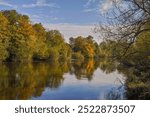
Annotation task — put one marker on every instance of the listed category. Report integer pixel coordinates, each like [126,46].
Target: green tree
[41,51]
[58,49]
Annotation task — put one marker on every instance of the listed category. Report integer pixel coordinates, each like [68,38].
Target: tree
[4,37]
[127,22]
[141,50]
[22,36]
[55,38]
[41,51]
[84,46]
[58,49]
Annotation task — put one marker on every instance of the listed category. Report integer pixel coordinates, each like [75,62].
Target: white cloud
[89,10]
[107,5]
[99,6]
[41,3]
[91,6]
[54,18]
[2,3]
[72,30]
[89,2]
[35,16]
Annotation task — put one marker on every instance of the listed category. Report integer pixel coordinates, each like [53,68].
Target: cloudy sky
[71,17]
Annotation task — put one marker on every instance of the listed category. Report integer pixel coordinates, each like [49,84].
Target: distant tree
[84,46]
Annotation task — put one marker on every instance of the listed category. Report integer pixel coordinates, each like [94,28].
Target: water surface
[59,81]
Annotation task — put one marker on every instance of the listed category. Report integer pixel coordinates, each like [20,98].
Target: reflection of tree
[55,75]
[22,81]
[137,78]
[138,81]
[55,82]
[107,65]
[116,93]
[84,69]
[18,83]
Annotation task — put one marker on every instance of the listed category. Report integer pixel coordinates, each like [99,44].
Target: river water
[60,81]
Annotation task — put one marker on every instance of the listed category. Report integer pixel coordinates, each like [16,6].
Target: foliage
[41,49]
[28,80]
[84,69]
[22,41]
[78,56]
[58,49]
[22,36]
[85,46]
[4,37]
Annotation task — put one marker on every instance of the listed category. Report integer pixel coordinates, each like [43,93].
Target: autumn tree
[22,41]
[22,37]
[83,47]
[4,37]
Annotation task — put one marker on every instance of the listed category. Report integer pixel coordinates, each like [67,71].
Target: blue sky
[56,13]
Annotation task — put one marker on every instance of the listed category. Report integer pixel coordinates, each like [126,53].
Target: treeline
[20,40]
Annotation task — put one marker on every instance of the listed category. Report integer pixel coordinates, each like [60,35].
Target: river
[60,81]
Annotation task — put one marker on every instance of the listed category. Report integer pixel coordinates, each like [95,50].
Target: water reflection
[116,93]
[84,69]
[137,82]
[75,80]
[21,81]
[108,66]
